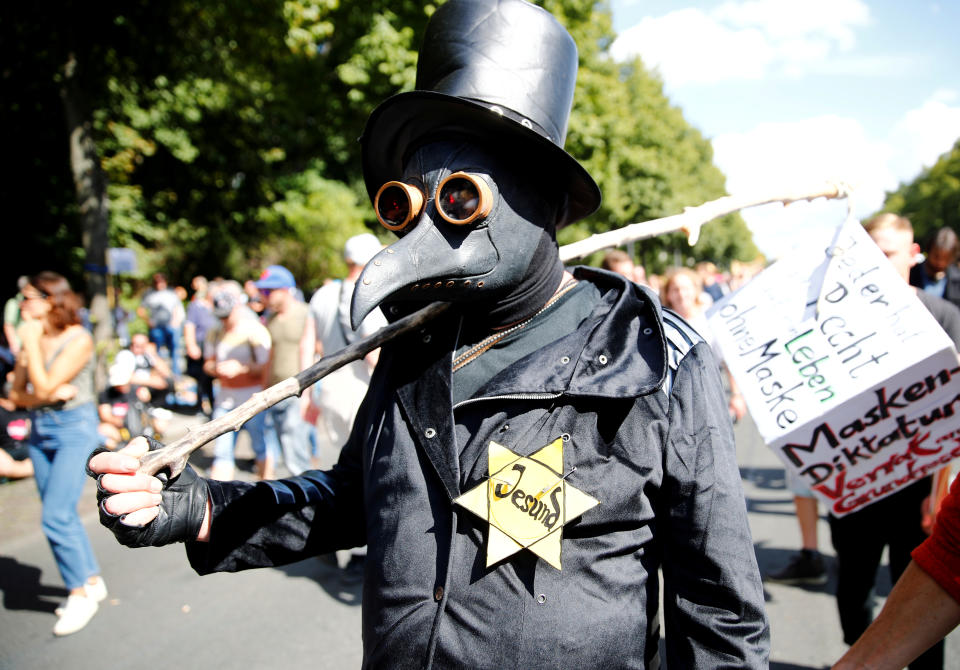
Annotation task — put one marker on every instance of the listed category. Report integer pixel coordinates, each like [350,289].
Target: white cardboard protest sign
[848,376]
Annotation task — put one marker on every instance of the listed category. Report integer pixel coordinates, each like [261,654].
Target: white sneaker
[75,614]
[96,590]
[221,472]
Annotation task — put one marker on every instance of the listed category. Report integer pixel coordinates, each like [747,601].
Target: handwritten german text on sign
[849,378]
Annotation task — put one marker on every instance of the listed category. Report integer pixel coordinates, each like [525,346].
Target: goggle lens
[398,204]
[459,199]
[393,206]
[464,198]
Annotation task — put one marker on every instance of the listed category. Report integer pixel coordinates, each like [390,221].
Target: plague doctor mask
[469,168]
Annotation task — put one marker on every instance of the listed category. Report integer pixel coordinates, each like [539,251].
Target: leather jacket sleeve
[713,598]
[271,523]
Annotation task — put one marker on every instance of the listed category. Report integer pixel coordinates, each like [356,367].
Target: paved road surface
[160,613]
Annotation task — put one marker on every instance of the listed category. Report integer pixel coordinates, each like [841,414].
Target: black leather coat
[661,462]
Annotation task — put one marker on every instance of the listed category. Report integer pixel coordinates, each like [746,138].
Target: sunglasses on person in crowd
[33,293]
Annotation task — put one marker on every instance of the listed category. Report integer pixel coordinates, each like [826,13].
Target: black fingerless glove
[182,508]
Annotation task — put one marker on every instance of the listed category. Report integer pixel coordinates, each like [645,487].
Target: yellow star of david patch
[527,501]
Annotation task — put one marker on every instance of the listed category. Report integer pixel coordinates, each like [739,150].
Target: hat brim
[271,285]
[401,122]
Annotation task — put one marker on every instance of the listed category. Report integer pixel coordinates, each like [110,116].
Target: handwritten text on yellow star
[526,500]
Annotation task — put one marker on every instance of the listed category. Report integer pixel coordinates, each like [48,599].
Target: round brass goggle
[460,199]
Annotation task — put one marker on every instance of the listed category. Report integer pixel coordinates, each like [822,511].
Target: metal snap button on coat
[602,359]
[430,433]
[542,598]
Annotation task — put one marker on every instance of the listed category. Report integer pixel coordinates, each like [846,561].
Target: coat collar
[619,351]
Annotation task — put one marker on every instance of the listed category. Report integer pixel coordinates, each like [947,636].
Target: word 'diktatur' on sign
[849,378]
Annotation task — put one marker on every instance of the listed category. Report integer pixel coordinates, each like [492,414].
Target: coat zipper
[510,396]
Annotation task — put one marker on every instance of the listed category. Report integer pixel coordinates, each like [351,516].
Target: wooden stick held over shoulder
[173,457]
[693,218]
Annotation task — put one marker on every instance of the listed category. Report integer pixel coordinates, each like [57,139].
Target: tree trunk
[91,187]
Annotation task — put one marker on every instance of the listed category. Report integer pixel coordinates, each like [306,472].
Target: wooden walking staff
[173,457]
[693,218]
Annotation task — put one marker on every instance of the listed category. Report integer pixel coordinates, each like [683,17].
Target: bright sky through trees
[867,91]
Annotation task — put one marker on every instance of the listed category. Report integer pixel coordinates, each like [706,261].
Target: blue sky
[798,91]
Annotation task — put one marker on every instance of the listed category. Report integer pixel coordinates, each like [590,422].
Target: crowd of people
[226,344]
[232,346]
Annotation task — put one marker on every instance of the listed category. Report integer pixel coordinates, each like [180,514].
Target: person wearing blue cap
[287,319]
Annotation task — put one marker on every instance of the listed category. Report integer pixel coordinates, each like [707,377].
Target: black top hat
[495,68]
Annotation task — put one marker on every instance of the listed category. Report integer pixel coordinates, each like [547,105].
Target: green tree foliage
[249,114]
[932,200]
[228,130]
[315,209]
[648,161]
[205,113]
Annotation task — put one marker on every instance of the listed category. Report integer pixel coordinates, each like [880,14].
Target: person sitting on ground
[150,370]
[15,460]
[121,404]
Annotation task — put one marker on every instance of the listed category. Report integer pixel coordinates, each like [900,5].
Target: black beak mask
[495,84]
[506,258]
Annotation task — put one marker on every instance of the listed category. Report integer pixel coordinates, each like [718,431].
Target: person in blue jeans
[236,354]
[292,345]
[163,311]
[53,378]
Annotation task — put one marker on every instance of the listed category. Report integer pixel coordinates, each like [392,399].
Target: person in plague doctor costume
[521,467]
